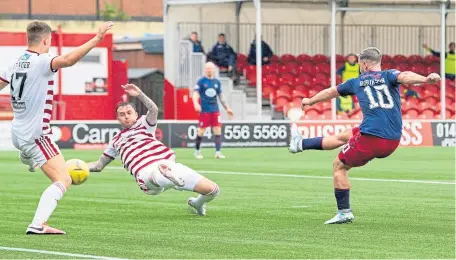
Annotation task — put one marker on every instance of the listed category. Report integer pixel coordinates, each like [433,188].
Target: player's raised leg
[47,155]
[299,144]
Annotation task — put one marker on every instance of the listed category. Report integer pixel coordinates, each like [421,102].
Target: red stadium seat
[270,79]
[270,68]
[286,58]
[343,116]
[250,71]
[288,68]
[282,93]
[304,79]
[430,59]
[319,86]
[311,114]
[448,114]
[415,59]
[298,94]
[322,78]
[303,89]
[412,113]
[307,67]
[432,87]
[275,59]
[419,68]
[340,58]
[386,58]
[324,68]
[430,93]
[402,66]
[303,58]
[285,88]
[241,58]
[431,100]
[357,116]
[320,58]
[338,79]
[400,59]
[325,106]
[433,68]
[241,66]
[286,78]
[312,92]
[267,90]
[427,114]
[280,103]
[387,65]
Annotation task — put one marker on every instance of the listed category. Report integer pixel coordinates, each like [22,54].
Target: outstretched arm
[321,96]
[99,165]
[152,113]
[408,77]
[69,59]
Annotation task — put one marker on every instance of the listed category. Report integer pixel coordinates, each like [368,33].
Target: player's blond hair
[371,54]
[36,30]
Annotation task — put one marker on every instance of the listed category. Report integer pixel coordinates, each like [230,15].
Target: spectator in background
[197,46]
[224,56]
[345,105]
[266,53]
[350,69]
[450,60]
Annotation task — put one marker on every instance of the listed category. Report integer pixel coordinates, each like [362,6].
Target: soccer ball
[78,170]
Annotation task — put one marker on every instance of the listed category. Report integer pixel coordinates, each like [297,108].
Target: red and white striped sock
[48,203]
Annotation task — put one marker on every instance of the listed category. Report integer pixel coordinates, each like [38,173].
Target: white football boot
[198,210]
[296,138]
[219,155]
[28,161]
[198,155]
[342,216]
[44,229]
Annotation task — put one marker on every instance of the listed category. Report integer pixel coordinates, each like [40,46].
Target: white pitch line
[313,177]
[58,253]
[300,206]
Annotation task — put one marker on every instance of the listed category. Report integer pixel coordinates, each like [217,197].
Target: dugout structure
[398,12]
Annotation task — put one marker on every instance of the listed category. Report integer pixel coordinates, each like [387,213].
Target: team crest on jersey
[210,92]
[26,56]
[215,86]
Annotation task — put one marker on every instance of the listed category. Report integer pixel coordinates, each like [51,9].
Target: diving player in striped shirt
[151,163]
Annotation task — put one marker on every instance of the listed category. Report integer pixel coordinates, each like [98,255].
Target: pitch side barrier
[274,133]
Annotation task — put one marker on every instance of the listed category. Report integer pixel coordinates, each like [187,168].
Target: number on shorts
[345,148]
[381,91]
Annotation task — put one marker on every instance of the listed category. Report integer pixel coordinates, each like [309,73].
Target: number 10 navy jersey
[378,96]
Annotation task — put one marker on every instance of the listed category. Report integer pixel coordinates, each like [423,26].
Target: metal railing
[315,39]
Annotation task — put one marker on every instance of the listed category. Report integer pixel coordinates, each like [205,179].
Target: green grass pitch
[255,216]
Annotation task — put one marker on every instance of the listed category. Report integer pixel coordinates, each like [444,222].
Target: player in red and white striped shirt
[31,80]
[151,163]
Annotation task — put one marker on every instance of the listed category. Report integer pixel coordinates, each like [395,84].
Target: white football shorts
[152,173]
[40,150]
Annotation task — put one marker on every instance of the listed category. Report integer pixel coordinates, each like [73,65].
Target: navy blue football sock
[218,143]
[312,143]
[198,142]
[343,198]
